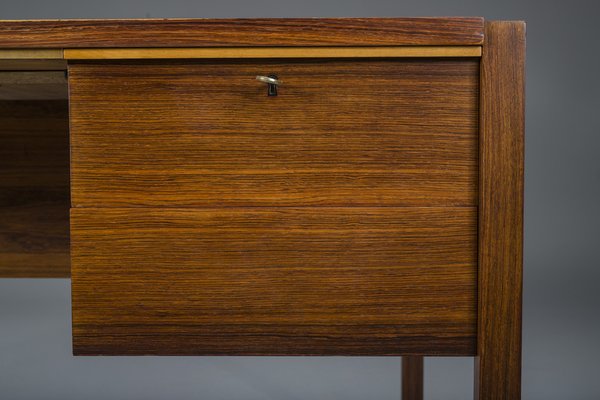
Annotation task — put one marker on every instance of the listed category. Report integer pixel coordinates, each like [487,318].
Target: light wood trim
[273,52]
[31,54]
[32,60]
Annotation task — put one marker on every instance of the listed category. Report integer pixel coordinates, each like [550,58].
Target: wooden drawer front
[270,281]
[354,132]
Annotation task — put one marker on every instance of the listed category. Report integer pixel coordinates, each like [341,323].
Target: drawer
[274,281]
[390,132]
[336,218]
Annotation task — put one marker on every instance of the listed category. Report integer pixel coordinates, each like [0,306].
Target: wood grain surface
[274,281]
[34,189]
[498,364]
[391,132]
[241,32]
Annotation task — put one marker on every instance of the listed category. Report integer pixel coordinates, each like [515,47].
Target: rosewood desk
[272,186]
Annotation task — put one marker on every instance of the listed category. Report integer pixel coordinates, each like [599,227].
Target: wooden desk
[368,202]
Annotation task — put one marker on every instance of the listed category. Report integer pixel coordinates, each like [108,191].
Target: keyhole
[271,87]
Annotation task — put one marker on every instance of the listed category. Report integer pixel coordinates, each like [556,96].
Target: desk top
[60,34]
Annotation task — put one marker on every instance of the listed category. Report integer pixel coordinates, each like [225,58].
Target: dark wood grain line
[241,32]
[395,132]
[304,281]
[34,189]
[412,378]
[498,364]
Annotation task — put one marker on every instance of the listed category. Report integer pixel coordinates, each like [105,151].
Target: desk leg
[498,362]
[412,378]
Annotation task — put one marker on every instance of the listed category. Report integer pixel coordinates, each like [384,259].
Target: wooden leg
[412,378]
[498,362]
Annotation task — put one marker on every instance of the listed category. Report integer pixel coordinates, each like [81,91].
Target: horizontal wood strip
[30,54]
[260,32]
[339,133]
[274,281]
[32,60]
[274,52]
[34,189]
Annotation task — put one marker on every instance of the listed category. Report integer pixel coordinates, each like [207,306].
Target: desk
[272,186]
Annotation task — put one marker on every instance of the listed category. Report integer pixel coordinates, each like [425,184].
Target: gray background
[562,263]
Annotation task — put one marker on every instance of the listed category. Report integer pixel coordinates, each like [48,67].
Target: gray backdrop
[562,263]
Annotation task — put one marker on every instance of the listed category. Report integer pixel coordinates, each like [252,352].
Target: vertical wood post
[412,378]
[498,364]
